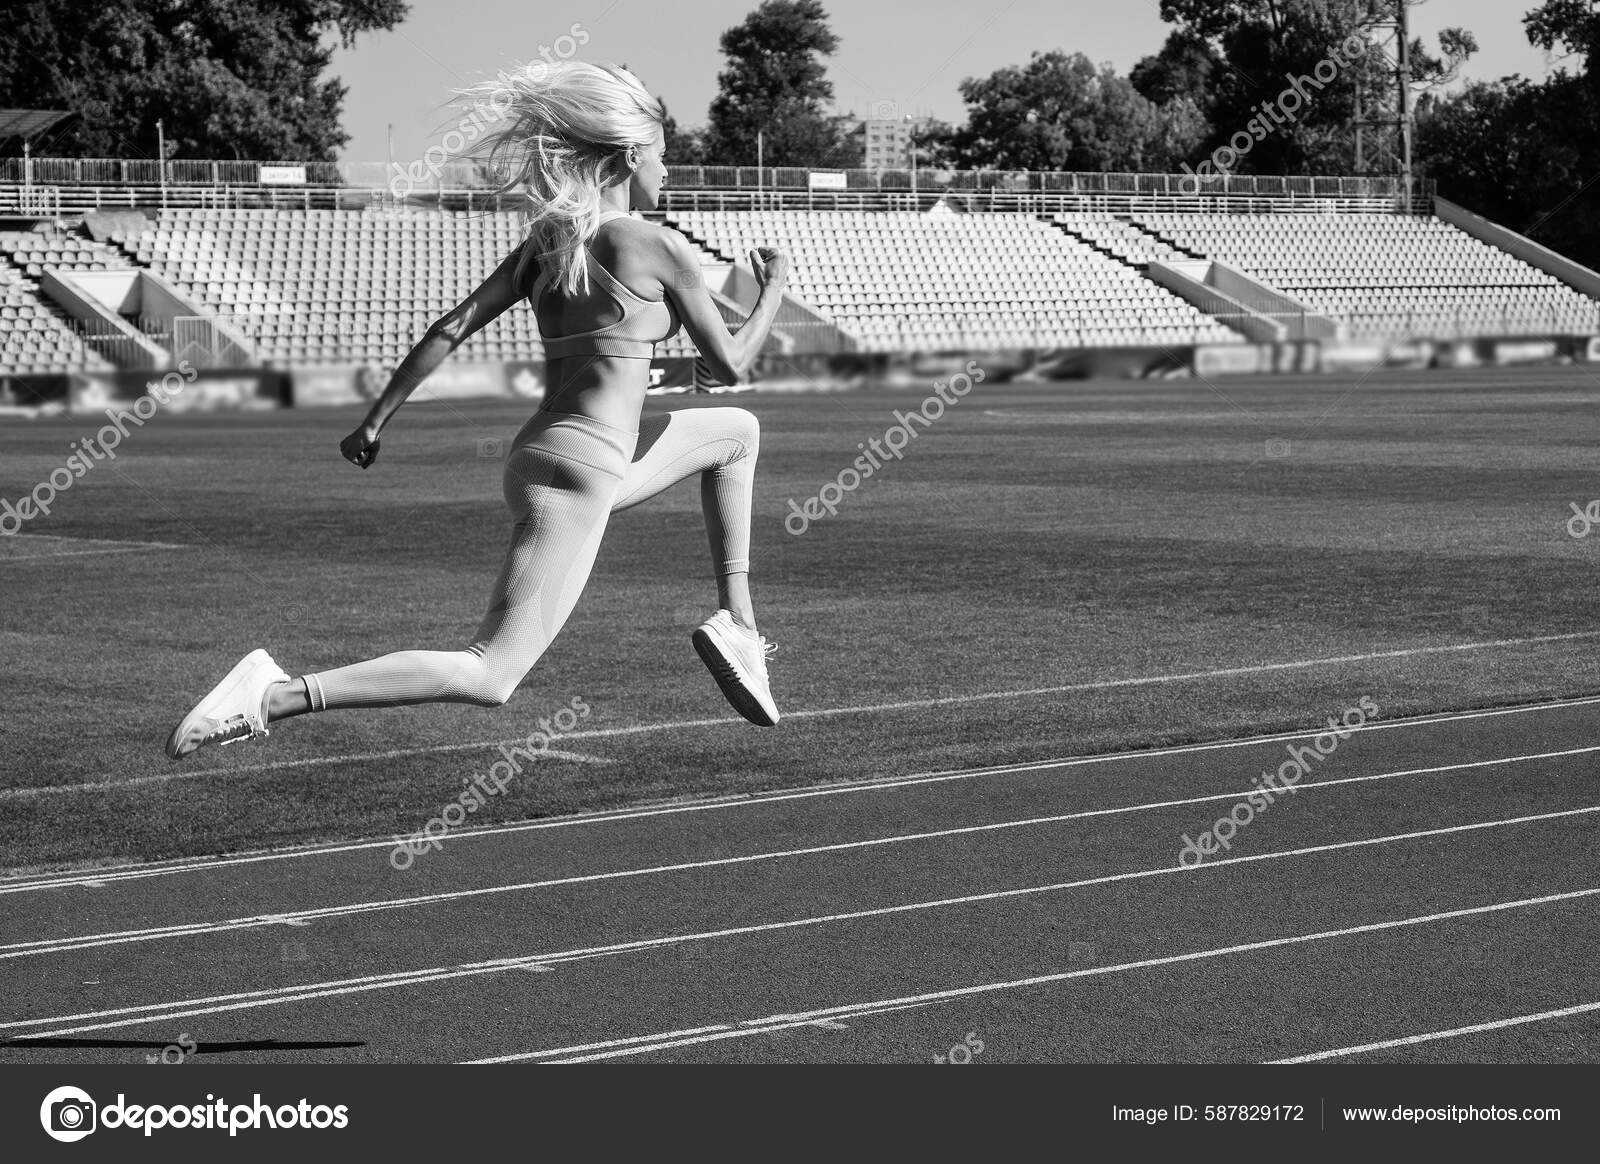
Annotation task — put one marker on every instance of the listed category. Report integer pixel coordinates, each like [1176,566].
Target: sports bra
[644,322]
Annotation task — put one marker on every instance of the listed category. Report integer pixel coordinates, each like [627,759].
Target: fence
[91,183]
[210,342]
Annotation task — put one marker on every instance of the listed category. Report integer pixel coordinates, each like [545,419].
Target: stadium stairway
[36,336]
[1388,277]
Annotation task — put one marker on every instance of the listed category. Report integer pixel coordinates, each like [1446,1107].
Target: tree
[228,78]
[935,145]
[1183,68]
[774,84]
[1526,153]
[1573,25]
[1061,112]
[684,147]
[1240,60]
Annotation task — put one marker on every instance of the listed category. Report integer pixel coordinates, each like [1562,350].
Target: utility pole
[1402,18]
[1383,117]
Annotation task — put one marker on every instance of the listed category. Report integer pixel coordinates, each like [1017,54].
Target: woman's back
[599,343]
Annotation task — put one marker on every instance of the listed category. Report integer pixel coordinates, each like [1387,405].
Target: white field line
[1431,1036]
[98,877]
[111,781]
[643,1044]
[248,1000]
[322,913]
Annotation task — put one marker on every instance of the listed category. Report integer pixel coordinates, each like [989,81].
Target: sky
[908,56]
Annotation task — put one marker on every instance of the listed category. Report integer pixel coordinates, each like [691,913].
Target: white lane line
[348,909]
[164,777]
[96,877]
[109,780]
[643,1044]
[96,546]
[1431,1036]
[186,1008]
[9,559]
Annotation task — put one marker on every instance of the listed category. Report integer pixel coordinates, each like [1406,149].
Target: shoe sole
[727,676]
[189,732]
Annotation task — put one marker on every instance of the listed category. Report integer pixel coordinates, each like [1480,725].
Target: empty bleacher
[326,286]
[1386,276]
[330,286]
[901,281]
[34,337]
[1118,238]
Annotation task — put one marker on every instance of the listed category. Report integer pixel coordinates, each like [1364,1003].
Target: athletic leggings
[564,477]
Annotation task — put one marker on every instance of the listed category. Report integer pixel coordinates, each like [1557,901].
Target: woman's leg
[720,444]
[560,481]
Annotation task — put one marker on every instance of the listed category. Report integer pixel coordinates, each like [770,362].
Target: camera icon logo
[687,277]
[68,1114]
[491,448]
[885,110]
[1277,448]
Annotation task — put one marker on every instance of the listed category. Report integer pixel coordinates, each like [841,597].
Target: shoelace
[230,731]
[767,651]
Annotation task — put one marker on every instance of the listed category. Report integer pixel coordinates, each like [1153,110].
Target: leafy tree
[935,145]
[685,147]
[1526,153]
[1239,60]
[1183,68]
[774,84]
[1061,112]
[228,78]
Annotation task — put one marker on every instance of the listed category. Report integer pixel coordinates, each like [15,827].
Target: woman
[585,143]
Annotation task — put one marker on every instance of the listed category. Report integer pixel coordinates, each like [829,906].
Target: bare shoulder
[674,251]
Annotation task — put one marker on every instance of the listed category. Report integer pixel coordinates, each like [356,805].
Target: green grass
[1036,536]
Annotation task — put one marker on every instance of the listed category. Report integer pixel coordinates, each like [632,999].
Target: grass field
[1035,537]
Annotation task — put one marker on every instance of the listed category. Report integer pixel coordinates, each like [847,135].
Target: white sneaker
[737,659]
[234,710]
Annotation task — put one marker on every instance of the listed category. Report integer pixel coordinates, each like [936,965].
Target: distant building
[887,141]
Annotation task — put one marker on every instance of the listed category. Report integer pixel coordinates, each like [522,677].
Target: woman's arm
[498,292]
[730,355]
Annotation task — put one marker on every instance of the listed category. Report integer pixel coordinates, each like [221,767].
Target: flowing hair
[558,133]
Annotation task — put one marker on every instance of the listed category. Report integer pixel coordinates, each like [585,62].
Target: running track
[1430,894]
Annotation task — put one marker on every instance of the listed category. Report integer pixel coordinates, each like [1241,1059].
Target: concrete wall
[94,299]
[1573,274]
[1186,278]
[1302,322]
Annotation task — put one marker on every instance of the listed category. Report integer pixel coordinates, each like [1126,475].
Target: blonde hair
[560,132]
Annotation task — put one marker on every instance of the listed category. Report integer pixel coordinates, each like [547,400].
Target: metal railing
[210,342]
[91,183]
[1460,324]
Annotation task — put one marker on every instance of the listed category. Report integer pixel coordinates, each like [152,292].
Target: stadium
[1228,626]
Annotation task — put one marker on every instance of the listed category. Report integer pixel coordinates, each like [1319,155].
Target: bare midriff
[610,389]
